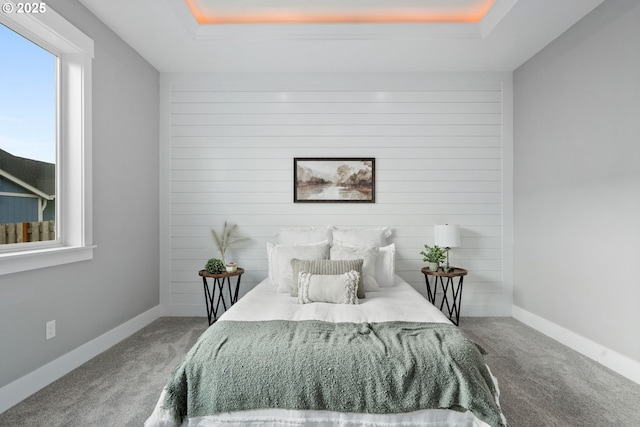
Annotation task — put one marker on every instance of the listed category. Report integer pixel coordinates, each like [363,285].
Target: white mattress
[400,302]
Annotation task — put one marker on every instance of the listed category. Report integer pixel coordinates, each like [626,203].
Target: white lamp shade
[447,236]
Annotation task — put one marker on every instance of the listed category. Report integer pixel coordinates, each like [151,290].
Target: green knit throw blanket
[379,368]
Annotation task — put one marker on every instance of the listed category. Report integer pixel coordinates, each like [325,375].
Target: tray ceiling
[338,35]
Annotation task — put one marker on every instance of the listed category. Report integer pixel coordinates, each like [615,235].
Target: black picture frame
[334,180]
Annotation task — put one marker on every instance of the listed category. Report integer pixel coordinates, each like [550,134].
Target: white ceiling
[167,35]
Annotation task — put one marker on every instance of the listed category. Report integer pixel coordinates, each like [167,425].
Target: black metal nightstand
[219,282]
[448,290]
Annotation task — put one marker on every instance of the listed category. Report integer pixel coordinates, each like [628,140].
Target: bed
[285,358]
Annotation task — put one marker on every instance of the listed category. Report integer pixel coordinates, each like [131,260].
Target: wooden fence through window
[22,232]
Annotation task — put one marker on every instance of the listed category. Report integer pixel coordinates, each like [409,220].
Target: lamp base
[446,267]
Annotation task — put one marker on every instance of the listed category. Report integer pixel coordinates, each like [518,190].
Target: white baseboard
[25,386]
[617,362]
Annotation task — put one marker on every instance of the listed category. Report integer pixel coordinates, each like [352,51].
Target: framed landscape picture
[334,179]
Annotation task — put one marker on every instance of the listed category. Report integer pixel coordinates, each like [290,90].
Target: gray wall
[577,179]
[90,298]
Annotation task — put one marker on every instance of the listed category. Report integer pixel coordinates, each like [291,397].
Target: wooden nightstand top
[455,272]
[238,272]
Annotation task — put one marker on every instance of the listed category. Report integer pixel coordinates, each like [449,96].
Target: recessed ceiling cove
[211,12]
[338,35]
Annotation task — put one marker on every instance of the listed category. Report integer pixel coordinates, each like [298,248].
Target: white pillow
[362,236]
[385,266]
[368,255]
[326,266]
[304,236]
[279,259]
[333,288]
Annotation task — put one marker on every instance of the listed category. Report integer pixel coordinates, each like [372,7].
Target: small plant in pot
[215,266]
[433,256]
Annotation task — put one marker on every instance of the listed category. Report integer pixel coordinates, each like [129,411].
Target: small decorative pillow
[326,266]
[368,255]
[333,288]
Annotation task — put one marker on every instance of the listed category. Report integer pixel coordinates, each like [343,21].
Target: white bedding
[399,302]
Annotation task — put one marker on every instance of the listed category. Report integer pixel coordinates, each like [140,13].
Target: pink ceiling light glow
[209,12]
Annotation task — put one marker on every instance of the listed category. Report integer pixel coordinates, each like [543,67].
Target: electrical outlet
[51,329]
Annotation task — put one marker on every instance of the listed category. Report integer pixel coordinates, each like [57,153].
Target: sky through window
[27,98]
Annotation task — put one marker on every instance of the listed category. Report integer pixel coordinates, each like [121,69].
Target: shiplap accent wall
[228,143]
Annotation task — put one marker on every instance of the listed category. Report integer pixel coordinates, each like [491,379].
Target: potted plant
[225,240]
[214,266]
[433,256]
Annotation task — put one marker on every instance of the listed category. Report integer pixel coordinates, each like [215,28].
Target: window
[61,189]
[28,141]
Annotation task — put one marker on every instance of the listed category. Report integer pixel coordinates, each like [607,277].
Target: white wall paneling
[228,148]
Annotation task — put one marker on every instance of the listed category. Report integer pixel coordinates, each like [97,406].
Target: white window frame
[74,49]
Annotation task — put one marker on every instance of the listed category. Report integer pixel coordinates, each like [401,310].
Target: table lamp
[447,236]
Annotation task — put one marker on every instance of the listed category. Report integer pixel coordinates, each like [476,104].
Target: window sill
[15,262]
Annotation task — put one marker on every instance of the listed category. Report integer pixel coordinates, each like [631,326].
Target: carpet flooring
[542,382]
